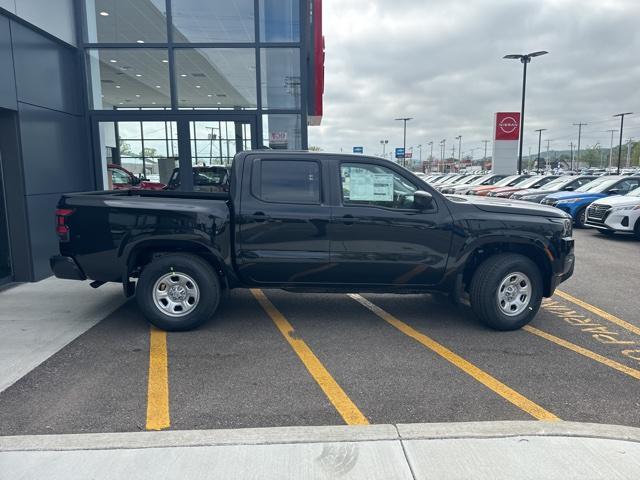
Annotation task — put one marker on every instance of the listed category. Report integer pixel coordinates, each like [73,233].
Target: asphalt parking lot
[272,358]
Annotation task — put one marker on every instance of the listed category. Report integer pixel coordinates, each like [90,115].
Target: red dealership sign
[507,126]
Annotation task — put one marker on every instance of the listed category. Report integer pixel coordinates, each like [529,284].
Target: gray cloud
[441,63]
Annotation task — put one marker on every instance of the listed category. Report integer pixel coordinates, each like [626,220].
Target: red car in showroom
[123,179]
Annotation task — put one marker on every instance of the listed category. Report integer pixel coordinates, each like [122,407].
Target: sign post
[506,128]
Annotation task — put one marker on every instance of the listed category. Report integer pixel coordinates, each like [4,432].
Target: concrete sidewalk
[491,450]
[38,319]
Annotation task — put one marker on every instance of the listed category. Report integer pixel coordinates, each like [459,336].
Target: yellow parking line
[158,385]
[632,372]
[598,311]
[336,395]
[467,367]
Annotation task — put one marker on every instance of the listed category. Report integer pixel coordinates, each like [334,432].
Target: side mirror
[569,188]
[422,200]
[135,180]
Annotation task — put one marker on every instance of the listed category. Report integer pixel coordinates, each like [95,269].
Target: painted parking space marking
[598,311]
[336,395]
[632,372]
[158,382]
[604,334]
[467,367]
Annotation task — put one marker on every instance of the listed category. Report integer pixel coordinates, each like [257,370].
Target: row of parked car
[610,203]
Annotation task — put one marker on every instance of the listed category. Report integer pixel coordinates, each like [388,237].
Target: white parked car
[620,213]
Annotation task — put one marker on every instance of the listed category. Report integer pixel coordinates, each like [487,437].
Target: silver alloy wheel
[176,294]
[514,294]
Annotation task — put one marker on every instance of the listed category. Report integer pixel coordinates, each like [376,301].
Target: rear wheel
[506,291]
[636,230]
[178,292]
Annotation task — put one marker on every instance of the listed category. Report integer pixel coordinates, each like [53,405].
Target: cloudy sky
[440,61]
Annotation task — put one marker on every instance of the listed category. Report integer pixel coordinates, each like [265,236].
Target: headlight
[623,208]
[567,225]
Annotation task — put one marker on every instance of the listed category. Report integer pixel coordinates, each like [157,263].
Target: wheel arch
[144,252]
[538,254]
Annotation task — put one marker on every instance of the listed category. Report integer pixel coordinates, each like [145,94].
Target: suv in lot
[616,214]
[576,203]
[317,223]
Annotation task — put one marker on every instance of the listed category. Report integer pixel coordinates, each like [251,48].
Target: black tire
[484,291]
[636,229]
[581,218]
[193,268]
[608,233]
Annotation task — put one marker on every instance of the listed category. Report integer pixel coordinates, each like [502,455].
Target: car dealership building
[150,85]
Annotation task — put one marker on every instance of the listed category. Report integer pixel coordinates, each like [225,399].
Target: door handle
[348,219]
[259,217]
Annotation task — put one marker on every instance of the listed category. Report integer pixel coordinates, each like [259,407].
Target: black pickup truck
[313,222]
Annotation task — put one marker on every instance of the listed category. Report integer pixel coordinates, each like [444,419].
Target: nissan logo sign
[508,125]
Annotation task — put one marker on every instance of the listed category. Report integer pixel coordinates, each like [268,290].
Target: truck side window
[282,181]
[367,184]
[119,177]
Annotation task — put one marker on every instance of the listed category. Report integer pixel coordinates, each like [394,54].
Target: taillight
[62,229]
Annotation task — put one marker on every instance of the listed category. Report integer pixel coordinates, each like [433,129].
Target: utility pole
[571,165]
[459,138]
[546,161]
[579,125]
[404,137]
[621,115]
[540,130]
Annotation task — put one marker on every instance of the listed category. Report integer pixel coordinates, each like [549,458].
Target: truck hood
[504,205]
[616,200]
[571,195]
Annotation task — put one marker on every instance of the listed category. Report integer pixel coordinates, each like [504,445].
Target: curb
[316,434]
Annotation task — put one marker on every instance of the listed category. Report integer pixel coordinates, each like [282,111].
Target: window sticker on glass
[370,187]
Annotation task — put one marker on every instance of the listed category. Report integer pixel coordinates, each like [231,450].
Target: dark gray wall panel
[47,73]
[54,151]
[7,80]
[44,242]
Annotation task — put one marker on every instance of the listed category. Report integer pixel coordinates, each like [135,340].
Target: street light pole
[540,130]
[524,59]
[459,138]
[431,156]
[404,138]
[571,164]
[384,147]
[621,115]
[484,160]
[579,125]
[443,144]
[611,147]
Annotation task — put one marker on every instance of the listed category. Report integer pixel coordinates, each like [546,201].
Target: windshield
[558,183]
[597,183]
[506,181]
[531,181]
[634,193]
[214,176]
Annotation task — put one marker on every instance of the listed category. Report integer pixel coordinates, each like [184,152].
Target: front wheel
[178,292]
[581,218]
[506,291]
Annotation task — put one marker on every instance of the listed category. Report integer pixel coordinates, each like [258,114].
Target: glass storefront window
[282,131]
[216,77]
[280,77]
[129,77]
[126,21]
[215,21]
[279,20]
[133,151]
